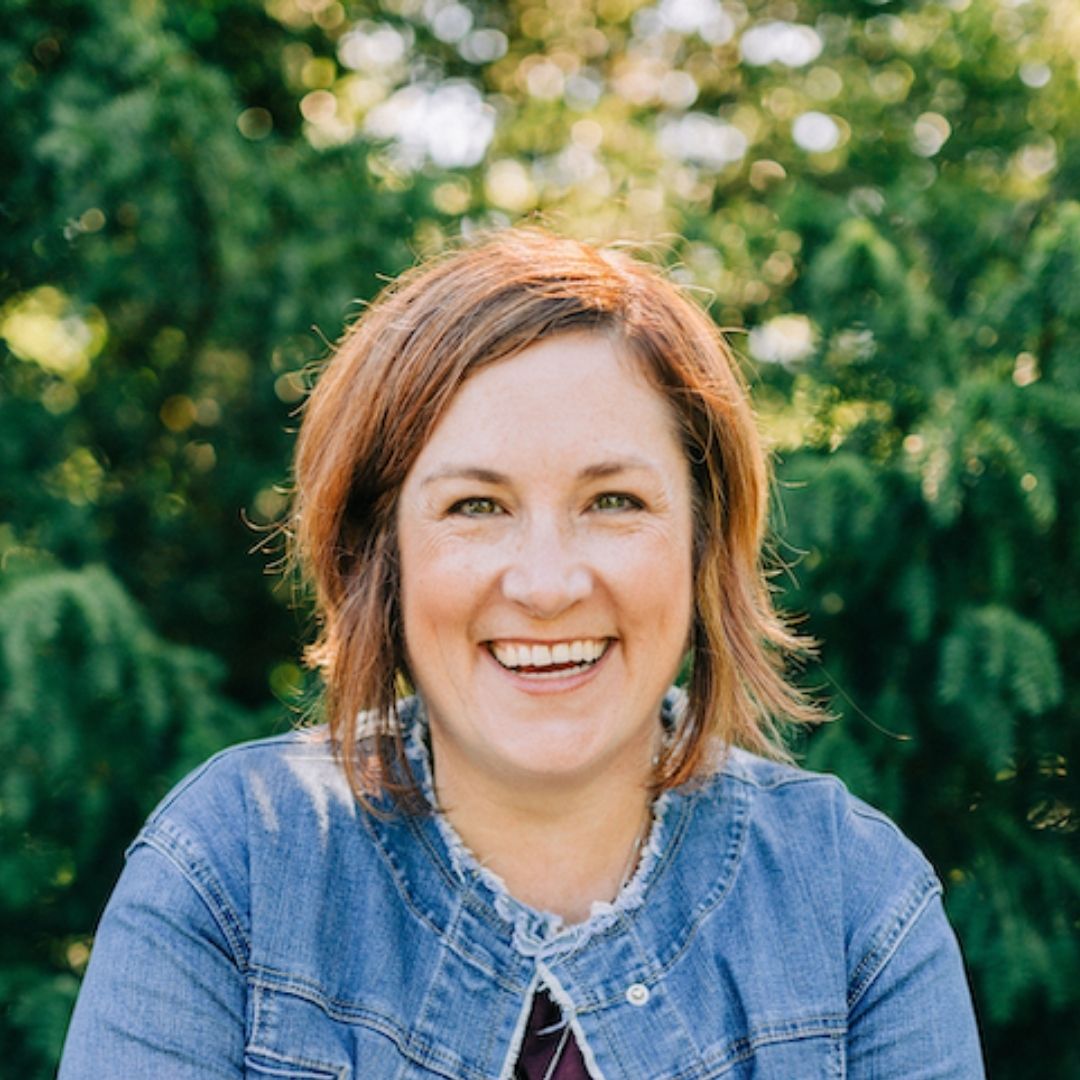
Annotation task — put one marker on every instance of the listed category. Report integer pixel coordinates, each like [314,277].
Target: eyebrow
[464,472]
[604,469]
[596,471]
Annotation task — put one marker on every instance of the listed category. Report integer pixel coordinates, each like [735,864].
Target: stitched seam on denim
[255,1011]
[443,975]
[626,923]
[427,921]
[320,1068]
[212,763]
[794,780]
[458,944]
[839,1059]
[445,940]
[868,813]
[613,1043]
[726,878]
[397,876]
[463,897]
[570,1013]
[182,854]
[416,1049]
[879,954]
[616,1043]
[466,890]
[736,767]
[575,963]
[265,1067]
[517,1037]
[743,1049]
[270,979]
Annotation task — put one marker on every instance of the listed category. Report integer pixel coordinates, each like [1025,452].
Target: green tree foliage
[934,497]
[179,269]
[876,198]
[100,717]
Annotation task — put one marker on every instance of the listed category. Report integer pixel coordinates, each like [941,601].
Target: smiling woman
[545,544]
[529,488]
[396,376]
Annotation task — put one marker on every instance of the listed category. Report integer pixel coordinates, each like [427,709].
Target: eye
[476,506]
[612,501]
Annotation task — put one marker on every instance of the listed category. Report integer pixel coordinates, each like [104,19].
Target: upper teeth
[579,651]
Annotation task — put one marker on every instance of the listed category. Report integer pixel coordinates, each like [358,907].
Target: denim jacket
[266,926]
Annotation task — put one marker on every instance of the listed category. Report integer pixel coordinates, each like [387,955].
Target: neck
[559,849]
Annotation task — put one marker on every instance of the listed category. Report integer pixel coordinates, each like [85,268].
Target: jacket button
[637,994]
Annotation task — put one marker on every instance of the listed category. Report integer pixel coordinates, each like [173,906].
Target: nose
[547,574]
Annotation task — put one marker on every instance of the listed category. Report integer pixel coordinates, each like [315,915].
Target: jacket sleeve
[164,993]
[910,1015]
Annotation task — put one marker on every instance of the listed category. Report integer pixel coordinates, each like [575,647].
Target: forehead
[582,391]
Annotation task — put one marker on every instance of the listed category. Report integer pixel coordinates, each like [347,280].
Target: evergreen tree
[100,717]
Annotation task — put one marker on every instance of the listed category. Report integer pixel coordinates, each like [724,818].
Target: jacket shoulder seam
[173,845]
[783,776]
[217,760]
[886,945]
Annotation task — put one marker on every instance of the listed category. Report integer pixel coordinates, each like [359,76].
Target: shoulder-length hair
[377,402]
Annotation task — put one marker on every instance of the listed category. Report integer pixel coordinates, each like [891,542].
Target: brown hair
[386,387]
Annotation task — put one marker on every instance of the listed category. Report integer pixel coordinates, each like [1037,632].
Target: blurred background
[875,197]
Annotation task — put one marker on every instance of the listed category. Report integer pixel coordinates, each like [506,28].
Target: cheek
[440,589]
[654,576]
[671,586]
[454,565]
[665,546]
[676,570]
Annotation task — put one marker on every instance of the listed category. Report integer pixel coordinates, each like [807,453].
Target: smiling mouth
[554,660]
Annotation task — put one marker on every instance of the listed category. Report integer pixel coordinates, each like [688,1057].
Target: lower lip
[552,682]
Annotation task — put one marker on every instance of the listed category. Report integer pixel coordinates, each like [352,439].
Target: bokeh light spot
[374,47]
[1034,75]
[92,220]
[450,124]
[816,132]
[785,339]
[484,46]
[509,186]
[48,328]
[778,42]
[930,133]
[451,22]
[178,412]
[255,123]
[318,107]
[1038,159]
[703,139]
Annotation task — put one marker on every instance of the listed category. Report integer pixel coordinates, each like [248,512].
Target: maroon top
[543,1037]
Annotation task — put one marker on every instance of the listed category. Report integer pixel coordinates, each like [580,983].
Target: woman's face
[545,543]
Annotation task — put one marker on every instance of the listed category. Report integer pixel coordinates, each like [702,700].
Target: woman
[528,487]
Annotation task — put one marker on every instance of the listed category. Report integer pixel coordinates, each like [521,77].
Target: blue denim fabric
[264,926]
